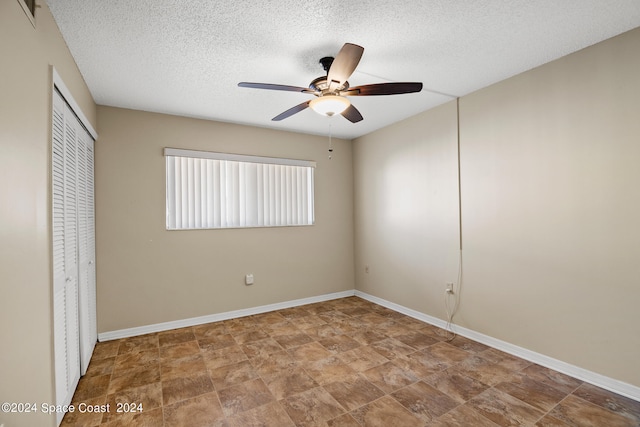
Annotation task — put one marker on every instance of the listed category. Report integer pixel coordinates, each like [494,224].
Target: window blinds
[219,190]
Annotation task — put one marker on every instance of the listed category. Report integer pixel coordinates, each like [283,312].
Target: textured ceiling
[186,57]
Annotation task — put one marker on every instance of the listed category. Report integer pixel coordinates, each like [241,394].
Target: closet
[73,239]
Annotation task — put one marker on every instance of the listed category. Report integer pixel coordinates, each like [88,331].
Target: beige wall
[406,210]
[26,357]
[148,275]
[550,205]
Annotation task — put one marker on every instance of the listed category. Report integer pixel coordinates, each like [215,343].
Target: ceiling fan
[331,90]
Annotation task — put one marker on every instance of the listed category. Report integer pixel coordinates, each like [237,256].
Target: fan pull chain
[330,140]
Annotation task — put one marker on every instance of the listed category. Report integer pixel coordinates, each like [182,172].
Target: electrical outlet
[366,269]
[449,288]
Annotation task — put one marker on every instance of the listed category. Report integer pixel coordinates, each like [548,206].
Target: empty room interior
[470,254]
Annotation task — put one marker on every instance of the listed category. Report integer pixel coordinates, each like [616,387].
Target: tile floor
[341,363]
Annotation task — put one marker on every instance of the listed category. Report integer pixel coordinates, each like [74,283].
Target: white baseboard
[619,387]
[166,326]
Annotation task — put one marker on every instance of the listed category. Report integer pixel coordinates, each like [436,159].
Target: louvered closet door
[86,251]
[65,259]
[74,292]
[63,385]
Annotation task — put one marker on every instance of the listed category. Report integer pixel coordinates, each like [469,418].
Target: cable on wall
[452,293]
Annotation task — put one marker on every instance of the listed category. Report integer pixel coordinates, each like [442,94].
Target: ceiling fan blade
[344,64]
[352,114]
[275,87]
[291,111]
[383,89]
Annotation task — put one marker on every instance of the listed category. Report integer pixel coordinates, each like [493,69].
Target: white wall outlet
[449,288]
[248,279]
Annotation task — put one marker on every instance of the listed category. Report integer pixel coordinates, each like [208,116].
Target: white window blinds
[218,190]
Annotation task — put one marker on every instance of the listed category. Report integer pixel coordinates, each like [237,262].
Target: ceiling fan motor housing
[326,62]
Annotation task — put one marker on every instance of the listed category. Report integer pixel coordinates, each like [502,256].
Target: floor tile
[576,411]
[136,360]
[134,378]
[534,393]
[230,375]
[89,387]
[284,327]
[415,339]
[209,330]
[344,420]
[222,357]
[339,343]
[263,347]
[216,342]
[328,370]
[148,396]
[310,352]
[105,349]
[152,418]
[504,409]
[284,384]
[268,318]
[392,348]
[99,367]
[333,316]
[418,365]
[436,333]
[613,402]
[459,387]
[198,411]
[462,416]
[270,414]
[549,421]
[312,408]
[389,377]
[468,345]
[424,401]
[241,325]
[386,412]
[483,370]
[270,364]
[88,419]
[446,353]
[245,396]
[177,389]
[367,336]
[185,366]
[139,343]
[323,331]
[292,340]
[505,360]
[362,358]
[555,379]
[179,351]
[311,321]
[175,336]
[251,336]
[353,391]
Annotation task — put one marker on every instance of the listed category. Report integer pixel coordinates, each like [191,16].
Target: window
[218,190]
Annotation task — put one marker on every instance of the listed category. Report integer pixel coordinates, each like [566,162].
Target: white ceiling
[186,57]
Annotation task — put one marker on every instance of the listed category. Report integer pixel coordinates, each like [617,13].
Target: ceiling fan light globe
[329,105]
